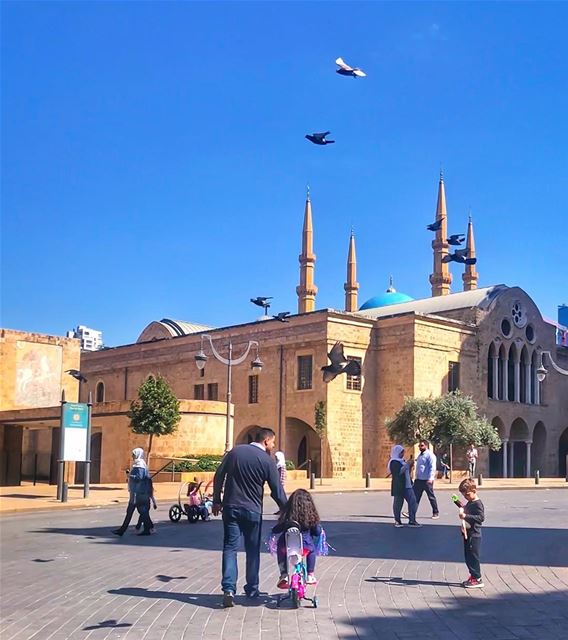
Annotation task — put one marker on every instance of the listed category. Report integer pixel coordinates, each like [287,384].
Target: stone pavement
[65,576]
[42,496]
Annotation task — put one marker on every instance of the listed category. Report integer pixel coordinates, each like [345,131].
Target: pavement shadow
[108,624]
[403,582]
[475,615]
[206,600]
[352,539]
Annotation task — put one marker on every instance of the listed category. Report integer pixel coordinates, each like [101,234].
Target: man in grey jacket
[425,476]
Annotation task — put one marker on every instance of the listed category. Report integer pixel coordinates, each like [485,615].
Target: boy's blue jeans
[237,521]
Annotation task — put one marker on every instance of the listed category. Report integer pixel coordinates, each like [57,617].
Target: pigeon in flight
[75,373]
[282,316]
[346,70]
[435,226]
[456,239]
[261,301]
[339,364]
[319,138]
[453,257]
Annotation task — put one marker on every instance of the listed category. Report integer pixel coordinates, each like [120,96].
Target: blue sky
[154,161]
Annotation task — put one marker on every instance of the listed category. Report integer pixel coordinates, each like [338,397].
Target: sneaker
[398,525]
[138,526]
[145,533]
[414,524]
[117,532]
[282,582]
[311,579]
[435,516]
[228,599]
[473,583]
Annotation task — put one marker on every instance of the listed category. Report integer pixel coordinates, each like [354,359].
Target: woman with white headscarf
[401,486]
[139,494]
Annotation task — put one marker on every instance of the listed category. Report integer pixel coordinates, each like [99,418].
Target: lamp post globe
[200,360]
[541,373]
[256,365]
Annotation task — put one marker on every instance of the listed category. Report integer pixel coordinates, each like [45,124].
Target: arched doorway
[496,460]
[302,444]
[518,449]
[247,435]
[538,461]
[562,453]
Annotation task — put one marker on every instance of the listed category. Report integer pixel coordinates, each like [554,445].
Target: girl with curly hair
[301,512]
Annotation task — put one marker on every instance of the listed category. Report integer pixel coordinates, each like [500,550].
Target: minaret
[470,275]
[441,279]
[351,286]
[307,290]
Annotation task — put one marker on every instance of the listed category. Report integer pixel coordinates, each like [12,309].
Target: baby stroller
[197,505]
[297,571]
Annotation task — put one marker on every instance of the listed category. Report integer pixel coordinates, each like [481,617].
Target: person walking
[424,477]
[138,494]
[471,455]
[241,477]
[401,486]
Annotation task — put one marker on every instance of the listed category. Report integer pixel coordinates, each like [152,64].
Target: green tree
[413,422]
[155,412]
[450,419]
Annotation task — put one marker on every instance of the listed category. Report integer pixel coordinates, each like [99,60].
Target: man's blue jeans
[237,521]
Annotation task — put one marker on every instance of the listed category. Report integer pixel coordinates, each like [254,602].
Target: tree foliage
[450,419]
[155,412]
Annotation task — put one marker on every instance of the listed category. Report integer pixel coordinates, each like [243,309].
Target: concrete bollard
[367,480]
[537,477]
[312,481]
[479,480]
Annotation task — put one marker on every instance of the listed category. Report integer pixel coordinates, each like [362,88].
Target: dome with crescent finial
[390,296]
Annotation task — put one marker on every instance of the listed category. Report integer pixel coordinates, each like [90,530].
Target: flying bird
[456,239]
[319,138]
[453,257]
[261,301]
[282,316]
[339,364]
[346,70]
[75,373]
[435,226]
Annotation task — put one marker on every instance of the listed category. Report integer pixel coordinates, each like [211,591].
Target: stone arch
[302,443]
[246,435]
[496,457]
[100,392]
[538,460]
[518,436]
[562,453]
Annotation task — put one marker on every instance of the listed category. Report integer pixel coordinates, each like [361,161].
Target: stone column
[512,460]
[505,386]
[528,443]
[495,369]
[517,389]
[536,389]
[504,447]
[528,398]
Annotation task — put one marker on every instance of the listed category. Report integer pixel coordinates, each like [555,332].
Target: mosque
[488,342]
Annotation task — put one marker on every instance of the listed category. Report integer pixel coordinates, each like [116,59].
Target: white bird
[346,70]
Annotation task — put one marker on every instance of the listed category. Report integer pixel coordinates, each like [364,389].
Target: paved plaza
[64,575]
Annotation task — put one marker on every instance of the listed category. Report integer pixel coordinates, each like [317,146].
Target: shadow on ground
[352,539]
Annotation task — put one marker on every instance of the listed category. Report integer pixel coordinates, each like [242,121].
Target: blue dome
[390,296]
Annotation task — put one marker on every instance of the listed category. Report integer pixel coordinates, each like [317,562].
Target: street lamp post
[541,372]
[256,366]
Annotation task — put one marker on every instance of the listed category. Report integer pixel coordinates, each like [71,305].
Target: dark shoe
[117,532]
[228,599]
[252,594]
[138,526]
[414,524]
[145,533]
[398,525]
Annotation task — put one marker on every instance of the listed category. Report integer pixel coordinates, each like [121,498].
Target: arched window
[512,359]
[100,392]
[492,372]
[525,376]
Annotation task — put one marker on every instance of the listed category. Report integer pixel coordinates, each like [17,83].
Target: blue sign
[75,415]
